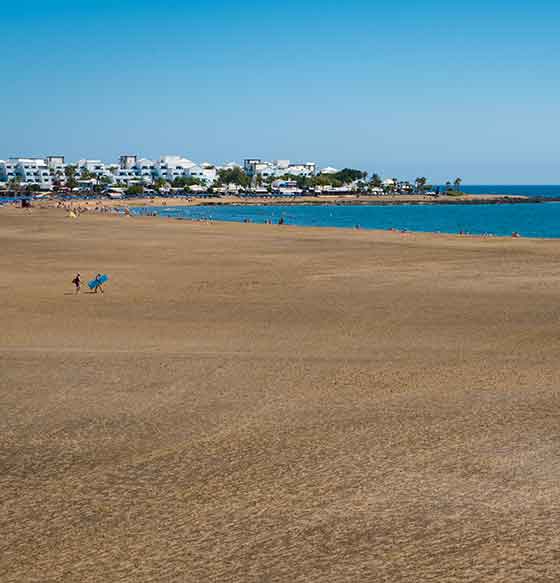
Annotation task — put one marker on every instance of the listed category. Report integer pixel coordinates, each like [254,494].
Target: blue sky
[404,89]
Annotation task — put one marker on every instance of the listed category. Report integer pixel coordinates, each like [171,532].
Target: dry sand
[350,199]
[265,403]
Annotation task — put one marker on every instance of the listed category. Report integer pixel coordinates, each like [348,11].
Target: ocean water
[9,200]
[528,219]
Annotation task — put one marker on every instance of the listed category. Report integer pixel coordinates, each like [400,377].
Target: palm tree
[70,172]
[457,183]
[376,180]
[104,181]
[159,183]
[420,183]
[85,174]
[360,186]
[447,186]
[57,179]
[15,183]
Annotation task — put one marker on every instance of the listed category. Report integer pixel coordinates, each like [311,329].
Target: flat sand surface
[156,201]
[266,403]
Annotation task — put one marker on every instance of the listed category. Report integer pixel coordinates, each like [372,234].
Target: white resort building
[277,168]
[27,171]
[45,173]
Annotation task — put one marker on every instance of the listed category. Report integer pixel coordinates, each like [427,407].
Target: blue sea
[527,219]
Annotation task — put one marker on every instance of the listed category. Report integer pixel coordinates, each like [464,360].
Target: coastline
[327,200]
[76,208]
[321,200]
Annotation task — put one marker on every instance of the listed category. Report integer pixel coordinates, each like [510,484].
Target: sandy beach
[271,403]
[321,199]
[350,199]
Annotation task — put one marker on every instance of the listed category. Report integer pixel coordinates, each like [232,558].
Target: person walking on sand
[98,285]
[77,282]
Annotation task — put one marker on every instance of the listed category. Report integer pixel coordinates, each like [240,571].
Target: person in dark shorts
[77,282]
[98,285]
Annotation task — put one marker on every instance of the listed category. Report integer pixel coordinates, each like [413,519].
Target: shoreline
[320,200]
[115,211]
[350,200]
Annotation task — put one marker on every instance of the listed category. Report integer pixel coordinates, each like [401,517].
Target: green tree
[70,172]
[421,184]
[347,175]
[85,174]
[135,189]
[233,176]
[186,181]
[376,181]
[457,184]
[57,178]
[303,182]
[15,183]
[159,183]
[361,186]
[326,180]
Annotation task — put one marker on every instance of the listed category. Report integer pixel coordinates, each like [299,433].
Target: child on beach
[77,282]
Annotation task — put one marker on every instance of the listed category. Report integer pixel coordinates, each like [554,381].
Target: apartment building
[27,171]
[276,168]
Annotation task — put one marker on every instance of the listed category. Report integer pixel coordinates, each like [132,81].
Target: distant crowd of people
[78,210]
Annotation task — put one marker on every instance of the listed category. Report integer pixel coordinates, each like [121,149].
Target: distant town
[135,176]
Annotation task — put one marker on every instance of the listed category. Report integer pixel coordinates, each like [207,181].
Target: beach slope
[266,403]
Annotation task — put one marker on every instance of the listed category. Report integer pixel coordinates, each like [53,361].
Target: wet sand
[266,403]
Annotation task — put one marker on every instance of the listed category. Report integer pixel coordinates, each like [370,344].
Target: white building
[205,172]
[171,167]
[135,170]
[130,169]
[127,161]
[93,166]
[144,169]
[276,168]
[307,169]
[27,171]
[125,176]
[55,162]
